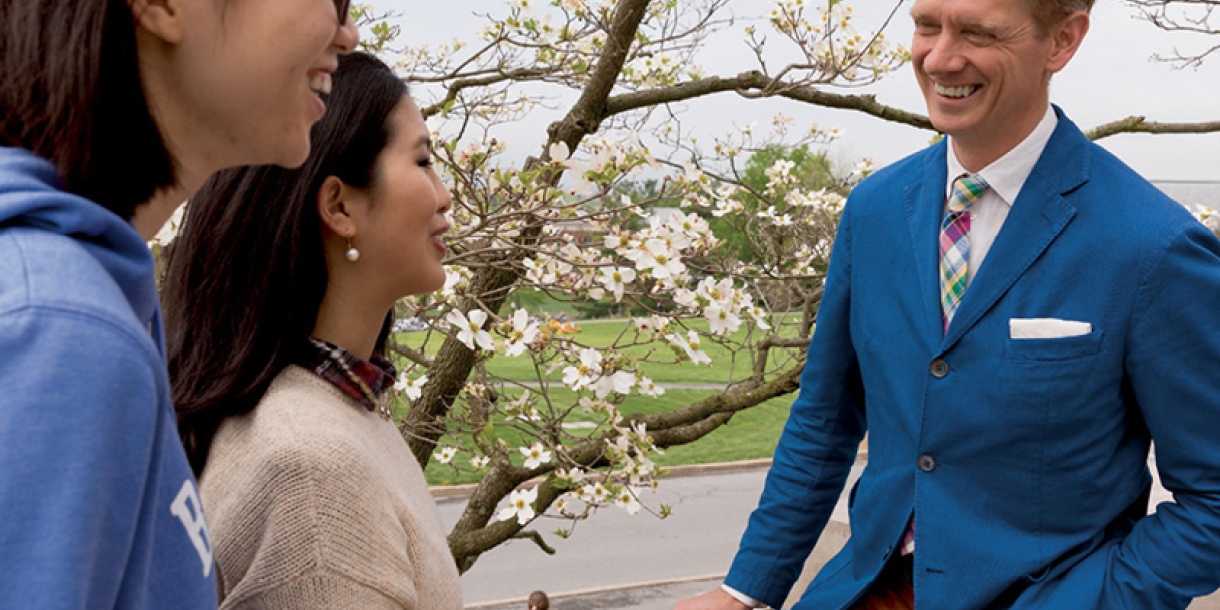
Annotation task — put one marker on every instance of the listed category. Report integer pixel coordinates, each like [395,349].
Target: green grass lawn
[727,365]
[751,434]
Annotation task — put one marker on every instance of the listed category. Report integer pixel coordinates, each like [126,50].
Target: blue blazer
[1023,461]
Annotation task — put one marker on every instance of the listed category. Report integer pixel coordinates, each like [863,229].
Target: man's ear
[1066,39]
[334,209]
[161,18]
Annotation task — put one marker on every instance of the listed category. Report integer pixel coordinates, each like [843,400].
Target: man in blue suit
[1014,316]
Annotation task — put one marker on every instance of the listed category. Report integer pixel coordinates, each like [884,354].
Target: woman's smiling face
[243,79]
[406,215]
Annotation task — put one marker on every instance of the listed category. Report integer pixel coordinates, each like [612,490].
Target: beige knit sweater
[315,502]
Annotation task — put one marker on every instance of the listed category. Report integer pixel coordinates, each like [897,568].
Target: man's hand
[716,599]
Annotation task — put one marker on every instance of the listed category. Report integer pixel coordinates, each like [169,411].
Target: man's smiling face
[984,69]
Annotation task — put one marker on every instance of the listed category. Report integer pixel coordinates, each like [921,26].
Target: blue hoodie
[98,507]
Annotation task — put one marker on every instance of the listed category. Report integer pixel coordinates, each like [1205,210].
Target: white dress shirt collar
[1007,175]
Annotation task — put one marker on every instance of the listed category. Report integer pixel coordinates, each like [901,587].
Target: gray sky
[1112,77]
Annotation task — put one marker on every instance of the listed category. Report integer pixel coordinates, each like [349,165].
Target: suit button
[927,463]
[939,368]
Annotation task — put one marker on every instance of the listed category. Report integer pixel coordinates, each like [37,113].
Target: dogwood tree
[556,441]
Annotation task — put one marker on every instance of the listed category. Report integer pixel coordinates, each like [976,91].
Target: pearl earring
[352,254]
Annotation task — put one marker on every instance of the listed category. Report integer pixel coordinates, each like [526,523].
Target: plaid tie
[955,243]
[954,256]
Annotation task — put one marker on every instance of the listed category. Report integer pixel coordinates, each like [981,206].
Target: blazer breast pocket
[1058,349]
[1043,381]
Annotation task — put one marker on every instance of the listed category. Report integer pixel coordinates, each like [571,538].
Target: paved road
[613,548]
[651,597]
[619,562]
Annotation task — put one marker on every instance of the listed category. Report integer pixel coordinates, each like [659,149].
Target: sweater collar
[365,381]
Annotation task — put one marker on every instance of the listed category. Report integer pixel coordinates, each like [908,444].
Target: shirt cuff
[742,597]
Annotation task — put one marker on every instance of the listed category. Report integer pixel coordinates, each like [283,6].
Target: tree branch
[1160,13]
[475,533]
[682,426]
[1138,124]
[587,113]
[410,353]
[537,539]
[754,81]
[772,341]
[755,84]
[455,88]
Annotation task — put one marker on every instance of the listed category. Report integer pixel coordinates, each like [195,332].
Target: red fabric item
[366,381]
[893,590]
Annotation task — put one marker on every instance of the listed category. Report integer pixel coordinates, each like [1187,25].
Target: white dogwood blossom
[649,388]
[659,260]
[569,477]
[760,317]
[413,388]
[691,347]
[652,325]
[445,455]
[470,328]
[616,279]
[620,382]
[535,455]
[520,506]
[521,335]
[593,493]
[585,373]
[720,320]
[627,500]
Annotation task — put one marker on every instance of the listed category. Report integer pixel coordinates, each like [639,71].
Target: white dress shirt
[1006,176]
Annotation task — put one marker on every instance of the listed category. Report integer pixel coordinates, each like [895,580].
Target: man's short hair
[1047,13]
[539,601]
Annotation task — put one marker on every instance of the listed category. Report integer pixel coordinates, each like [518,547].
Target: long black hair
[244,282]
[71,93]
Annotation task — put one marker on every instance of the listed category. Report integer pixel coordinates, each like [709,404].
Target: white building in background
[1194,194]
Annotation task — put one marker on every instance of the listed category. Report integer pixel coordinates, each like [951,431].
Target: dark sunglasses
[343,8]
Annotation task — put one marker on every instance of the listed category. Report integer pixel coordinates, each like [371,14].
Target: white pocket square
[1046,328]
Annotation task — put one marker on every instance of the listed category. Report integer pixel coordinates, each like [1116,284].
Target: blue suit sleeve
[77,406]
[1173,367]
[816,450]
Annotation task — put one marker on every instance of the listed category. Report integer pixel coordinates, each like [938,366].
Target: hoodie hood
[32,195]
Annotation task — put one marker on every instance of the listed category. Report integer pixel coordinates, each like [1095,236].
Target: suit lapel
[925,200]
[1038,216]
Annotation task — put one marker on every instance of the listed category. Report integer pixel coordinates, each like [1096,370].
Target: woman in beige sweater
[277,311]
